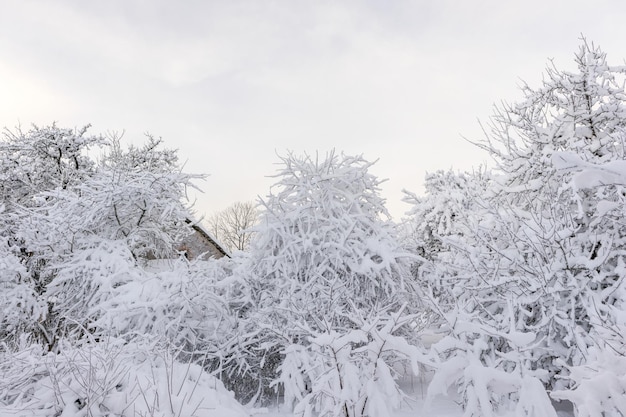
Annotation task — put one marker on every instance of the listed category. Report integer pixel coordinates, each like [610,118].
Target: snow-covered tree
[97,306]
[79,226]
[581,112]
[328,288]
[532,277]
[43,159]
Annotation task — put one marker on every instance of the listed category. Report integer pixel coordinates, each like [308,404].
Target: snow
[415,405]
[590,175]
[111,379]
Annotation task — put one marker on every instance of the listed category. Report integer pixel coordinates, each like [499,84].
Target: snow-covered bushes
[489,371]
[78,227]
[110,378]
[324,276]
[323,266]
[534,254]
[186,302]
[79,235]
[75,272]
[349,372]
[524,267]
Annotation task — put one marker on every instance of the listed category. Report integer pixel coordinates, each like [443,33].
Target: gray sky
[233,83]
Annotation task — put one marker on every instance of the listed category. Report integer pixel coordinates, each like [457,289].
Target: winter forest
[501,291]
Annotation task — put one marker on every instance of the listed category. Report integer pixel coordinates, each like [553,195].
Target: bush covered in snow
[78,235]
[328,296]
[529,276]
[111,378]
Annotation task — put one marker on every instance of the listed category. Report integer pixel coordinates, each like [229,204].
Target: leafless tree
[231,225]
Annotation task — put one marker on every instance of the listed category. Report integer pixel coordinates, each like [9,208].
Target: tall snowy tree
[530,277]
[330,303]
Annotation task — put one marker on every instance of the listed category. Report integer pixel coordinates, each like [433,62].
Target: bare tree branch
[231,226]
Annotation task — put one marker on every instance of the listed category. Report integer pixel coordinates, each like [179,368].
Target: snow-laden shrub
[194,306]
[324,260]
[539,250]
[79,227]
[488,370]
[110,379]
[349,373]
[184,302]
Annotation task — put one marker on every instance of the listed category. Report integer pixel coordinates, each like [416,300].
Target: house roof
[208,236]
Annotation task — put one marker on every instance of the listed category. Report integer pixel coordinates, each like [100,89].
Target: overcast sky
[233,83]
